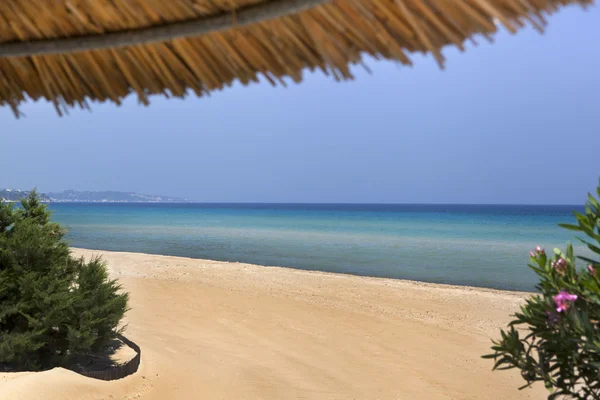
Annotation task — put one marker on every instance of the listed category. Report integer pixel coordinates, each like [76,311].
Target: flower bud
[539,250]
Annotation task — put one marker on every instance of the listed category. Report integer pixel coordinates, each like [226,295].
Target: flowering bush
[555,338]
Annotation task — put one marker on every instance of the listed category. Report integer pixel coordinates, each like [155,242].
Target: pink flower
[539,250]
[563,300]
[591,269]
[560,266]
[532,254]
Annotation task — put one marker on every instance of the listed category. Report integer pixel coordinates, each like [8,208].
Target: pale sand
[213,330]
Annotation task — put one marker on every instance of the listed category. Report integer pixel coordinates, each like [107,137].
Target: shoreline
[438,285]
[223,330]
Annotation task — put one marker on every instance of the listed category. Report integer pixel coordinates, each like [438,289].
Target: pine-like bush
[53,307]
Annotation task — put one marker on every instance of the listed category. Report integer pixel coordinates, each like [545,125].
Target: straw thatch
[71,51]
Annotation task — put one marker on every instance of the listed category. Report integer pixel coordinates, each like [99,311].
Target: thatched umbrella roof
[71,51]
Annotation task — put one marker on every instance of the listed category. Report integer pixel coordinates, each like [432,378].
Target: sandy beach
[215,330]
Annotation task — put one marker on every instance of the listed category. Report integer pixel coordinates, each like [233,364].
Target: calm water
[469,245]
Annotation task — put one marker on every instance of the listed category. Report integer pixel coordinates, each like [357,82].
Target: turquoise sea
[479,245]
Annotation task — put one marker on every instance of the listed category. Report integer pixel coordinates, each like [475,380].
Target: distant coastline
[77,196]
[116,201]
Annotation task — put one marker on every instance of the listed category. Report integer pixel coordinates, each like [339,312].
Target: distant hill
[109,196]
[16,195]
[76,196]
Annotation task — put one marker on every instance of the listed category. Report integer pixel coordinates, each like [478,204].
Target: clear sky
[517,121]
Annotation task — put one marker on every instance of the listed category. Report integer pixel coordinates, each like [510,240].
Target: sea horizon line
[318,203]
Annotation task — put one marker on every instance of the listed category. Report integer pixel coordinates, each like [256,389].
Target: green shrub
[53,307]
[555,338]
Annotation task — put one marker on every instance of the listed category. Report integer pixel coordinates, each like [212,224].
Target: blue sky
[516,121]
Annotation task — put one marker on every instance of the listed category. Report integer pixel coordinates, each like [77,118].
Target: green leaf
[595,364]
[589,260]
[570,256]
[528,384]
[571,227]
[593,202]
[593,248]
[503,360]
[489,356]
